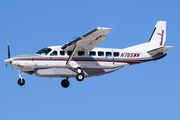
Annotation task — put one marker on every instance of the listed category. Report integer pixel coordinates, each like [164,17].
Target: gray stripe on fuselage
[28,56]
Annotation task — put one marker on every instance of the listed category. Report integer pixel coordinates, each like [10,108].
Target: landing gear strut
[65,83]
[80,75]
[21,81]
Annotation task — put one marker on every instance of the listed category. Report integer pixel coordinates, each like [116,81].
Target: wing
[88,41]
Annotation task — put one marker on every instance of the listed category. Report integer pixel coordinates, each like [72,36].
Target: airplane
[82,59]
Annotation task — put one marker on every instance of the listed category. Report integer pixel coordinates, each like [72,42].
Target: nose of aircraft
[8,60]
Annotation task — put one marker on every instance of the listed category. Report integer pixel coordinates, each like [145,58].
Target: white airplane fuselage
[51,65]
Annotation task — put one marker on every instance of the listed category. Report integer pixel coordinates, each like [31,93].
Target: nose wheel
[21,81]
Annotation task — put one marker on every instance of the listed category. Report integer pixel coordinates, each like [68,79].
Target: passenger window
[116,54]
[54,53]
[100,53]
[62,52]
[92,53]
[108,54]
[81,53]
[69,52]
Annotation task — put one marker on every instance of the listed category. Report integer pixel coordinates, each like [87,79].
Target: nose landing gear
[21,81]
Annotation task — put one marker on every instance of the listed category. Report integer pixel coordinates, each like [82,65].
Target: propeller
[8,50]
[9,61]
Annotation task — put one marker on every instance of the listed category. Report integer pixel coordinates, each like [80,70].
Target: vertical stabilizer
[158,37]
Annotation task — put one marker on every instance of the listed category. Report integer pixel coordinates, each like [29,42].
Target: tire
[80,77]
[21,82]
[65,83]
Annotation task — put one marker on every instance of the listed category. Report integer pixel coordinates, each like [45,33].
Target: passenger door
[109,56]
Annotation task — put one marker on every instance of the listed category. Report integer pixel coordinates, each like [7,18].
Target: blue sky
[149,91]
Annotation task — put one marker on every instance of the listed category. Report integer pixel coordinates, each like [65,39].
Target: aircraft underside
[70,72]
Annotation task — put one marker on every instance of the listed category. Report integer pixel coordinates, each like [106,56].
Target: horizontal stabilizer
[159,50]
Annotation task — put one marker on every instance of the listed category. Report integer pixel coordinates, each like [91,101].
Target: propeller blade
[8,51]
[9,61]
[12,68]
[6,65]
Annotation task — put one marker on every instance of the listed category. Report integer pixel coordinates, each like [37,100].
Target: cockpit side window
[44,51]
[54,53]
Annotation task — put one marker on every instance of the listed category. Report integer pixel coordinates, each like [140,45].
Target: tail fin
[156,41]
[158,37]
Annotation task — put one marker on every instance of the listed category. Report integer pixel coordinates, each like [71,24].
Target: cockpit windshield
[44,51]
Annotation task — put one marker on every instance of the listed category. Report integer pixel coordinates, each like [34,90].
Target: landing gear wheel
[80,77]
[65,83]
[21,82]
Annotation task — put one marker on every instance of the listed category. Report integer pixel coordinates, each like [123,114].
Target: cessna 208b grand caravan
[81,58]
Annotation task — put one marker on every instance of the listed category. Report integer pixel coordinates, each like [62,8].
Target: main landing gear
[65,83]
[21,81]
[79,77]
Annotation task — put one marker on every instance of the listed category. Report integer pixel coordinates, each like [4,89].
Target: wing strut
[70,57]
